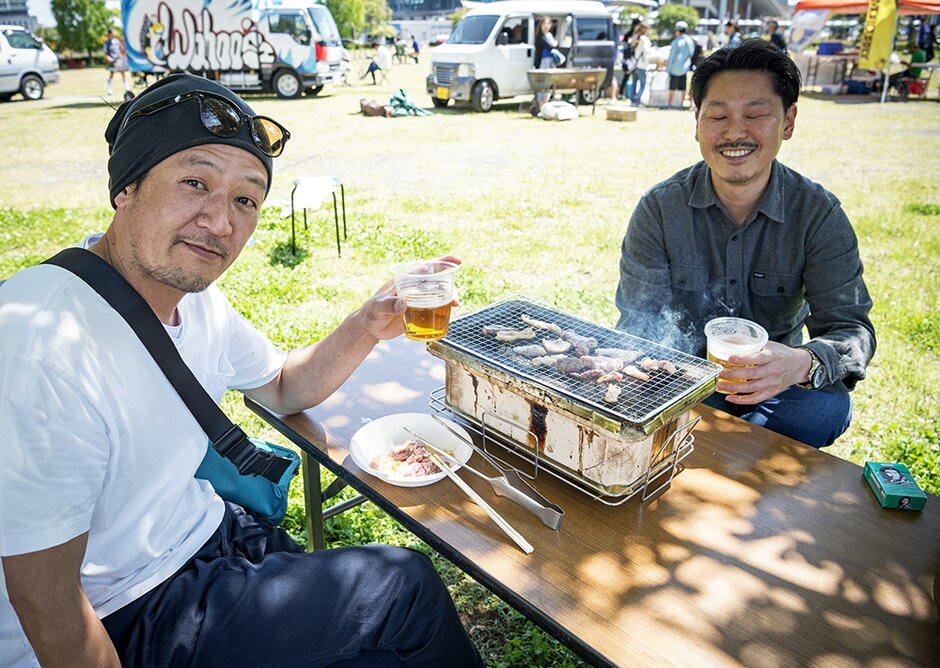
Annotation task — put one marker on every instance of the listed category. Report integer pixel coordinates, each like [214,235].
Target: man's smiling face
[188,219]
[741,125]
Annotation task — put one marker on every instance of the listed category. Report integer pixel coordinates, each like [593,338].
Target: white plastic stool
[308,193]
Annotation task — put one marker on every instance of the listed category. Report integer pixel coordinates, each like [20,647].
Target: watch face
[816,373]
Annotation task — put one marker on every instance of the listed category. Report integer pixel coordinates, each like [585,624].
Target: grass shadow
[282,255]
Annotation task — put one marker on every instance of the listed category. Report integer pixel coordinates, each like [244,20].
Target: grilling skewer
[437,456]
[511,485]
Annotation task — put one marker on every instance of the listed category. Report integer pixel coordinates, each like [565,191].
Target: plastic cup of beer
[733,336]
[427,286]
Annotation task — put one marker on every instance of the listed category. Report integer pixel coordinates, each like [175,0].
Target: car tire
[483,96]
[315,89]
[588,96]
[438,102]
[287,85]
[32,87]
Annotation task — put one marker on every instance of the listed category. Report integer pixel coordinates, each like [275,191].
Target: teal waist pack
[254,474]
[263,497]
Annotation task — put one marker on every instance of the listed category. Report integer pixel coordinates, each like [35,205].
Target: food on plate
[628,356]
[555,346]
[612,394]
[533,350]
[408,460]
[541,324]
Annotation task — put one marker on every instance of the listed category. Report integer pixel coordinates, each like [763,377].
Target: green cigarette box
[894,486]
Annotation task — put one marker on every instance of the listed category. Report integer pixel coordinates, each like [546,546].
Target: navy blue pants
[252,597]
[814,417]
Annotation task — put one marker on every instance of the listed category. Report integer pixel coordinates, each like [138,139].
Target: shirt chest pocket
[777,300]
[690,288]
[769,284]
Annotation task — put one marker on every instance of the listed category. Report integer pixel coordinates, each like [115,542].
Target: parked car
[260,46]
[27,65]
[493,46]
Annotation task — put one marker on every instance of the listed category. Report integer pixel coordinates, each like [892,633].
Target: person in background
[739,234]
[926,38]
[381,60]
[628,57]
[415,48]
[733,35]
[917,57]
[545,43]
[112,552]
[641,50]
[775,37]
[116,59]
[679,62]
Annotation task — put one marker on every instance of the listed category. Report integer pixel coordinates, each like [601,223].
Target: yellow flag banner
[878,34]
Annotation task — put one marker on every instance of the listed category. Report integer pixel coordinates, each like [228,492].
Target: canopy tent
[907,7]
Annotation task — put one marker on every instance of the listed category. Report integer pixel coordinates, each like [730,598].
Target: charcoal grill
[562,423]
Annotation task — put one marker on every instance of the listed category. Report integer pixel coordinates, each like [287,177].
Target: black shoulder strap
[227,438]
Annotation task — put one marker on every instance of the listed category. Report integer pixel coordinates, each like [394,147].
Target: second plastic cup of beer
[427,286]
[733,336]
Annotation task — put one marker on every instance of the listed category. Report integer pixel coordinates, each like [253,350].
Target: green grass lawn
[533,207]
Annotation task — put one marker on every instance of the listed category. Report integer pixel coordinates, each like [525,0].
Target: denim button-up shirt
[794,262]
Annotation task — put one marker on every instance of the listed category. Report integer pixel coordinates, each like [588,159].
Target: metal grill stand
[660,466]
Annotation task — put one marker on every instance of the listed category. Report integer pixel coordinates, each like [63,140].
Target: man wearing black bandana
[740,234]
[112,551]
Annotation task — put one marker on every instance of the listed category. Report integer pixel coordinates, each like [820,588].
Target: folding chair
[308,193]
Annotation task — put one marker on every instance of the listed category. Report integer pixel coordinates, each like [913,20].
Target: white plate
[381,435]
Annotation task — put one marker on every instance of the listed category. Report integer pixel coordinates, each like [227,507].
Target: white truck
[284,46]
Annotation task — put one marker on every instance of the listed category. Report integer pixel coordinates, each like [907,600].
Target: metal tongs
[510,484]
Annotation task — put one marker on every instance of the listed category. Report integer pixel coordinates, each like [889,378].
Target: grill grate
[639,402]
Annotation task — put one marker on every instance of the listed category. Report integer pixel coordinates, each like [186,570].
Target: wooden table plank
[763,552]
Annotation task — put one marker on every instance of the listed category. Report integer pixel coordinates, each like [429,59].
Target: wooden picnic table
[763,552]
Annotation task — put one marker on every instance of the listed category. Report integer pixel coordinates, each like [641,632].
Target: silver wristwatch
[816,371]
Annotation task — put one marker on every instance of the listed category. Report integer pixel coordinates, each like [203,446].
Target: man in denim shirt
[739,234]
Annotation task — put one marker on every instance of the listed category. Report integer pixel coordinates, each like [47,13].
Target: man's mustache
[205,241]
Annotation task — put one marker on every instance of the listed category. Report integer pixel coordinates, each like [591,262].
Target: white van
[27,65]
[493,46]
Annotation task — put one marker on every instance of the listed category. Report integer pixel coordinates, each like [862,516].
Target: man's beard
[172,276]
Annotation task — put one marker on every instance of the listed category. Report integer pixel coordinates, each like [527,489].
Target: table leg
[313,502]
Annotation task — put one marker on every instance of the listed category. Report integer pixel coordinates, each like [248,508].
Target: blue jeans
[636,86]
[814,417]
[253,597]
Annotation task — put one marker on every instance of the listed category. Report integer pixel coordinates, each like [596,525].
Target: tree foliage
[671,13]
[349,16]
[456,16]
[81,24]
[377,16]
[355,18]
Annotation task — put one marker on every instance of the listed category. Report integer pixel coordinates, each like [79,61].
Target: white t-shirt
[94,438]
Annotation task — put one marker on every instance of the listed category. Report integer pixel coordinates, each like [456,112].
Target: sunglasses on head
[223,119]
